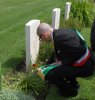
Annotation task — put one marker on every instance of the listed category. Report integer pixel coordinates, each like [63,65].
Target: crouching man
[76,60]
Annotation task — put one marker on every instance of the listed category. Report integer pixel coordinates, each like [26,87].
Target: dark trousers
[64,77]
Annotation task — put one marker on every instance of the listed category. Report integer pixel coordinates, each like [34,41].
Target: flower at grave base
[34,65]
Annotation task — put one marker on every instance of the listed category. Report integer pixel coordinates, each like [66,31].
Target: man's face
[44,37]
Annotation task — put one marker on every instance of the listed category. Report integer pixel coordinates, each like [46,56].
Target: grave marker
[32,42]
[67,10]
[56,18]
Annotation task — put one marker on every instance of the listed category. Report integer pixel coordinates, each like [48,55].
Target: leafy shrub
[32,83]
[29,83]
[81,15]
[72,23]
[45,51]
[83,10]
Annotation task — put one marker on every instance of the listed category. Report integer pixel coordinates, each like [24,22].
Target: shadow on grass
[17,64]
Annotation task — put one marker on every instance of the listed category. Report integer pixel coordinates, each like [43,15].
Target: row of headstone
[32,40]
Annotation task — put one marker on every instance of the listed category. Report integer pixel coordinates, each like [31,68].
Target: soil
[21,66]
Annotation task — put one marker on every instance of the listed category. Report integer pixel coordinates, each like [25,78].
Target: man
[92,37]
[73,54]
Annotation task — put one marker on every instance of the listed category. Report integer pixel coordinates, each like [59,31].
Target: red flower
[34,65]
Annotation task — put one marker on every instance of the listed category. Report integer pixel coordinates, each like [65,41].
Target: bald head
[44,27]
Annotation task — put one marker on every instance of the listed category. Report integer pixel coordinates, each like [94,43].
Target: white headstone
[56,18]
[67,10]
[32,42]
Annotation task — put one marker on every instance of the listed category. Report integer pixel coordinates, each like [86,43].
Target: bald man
[72,52]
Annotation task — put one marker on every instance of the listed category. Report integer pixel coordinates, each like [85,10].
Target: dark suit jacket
[68,46]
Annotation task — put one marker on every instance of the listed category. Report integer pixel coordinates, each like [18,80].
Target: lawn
[86,91]
[14,15]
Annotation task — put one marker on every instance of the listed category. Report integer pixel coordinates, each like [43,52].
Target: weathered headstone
[67,10]
[32,42]
[56,18]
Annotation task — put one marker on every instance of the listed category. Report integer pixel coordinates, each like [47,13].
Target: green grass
[86,91]
[86,34]
[14,95]
[14,15]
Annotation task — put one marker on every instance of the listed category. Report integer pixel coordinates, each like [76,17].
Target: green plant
[83,11]
[72,23]
[32,83]
[45,51]
[29,83]
[81,15]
